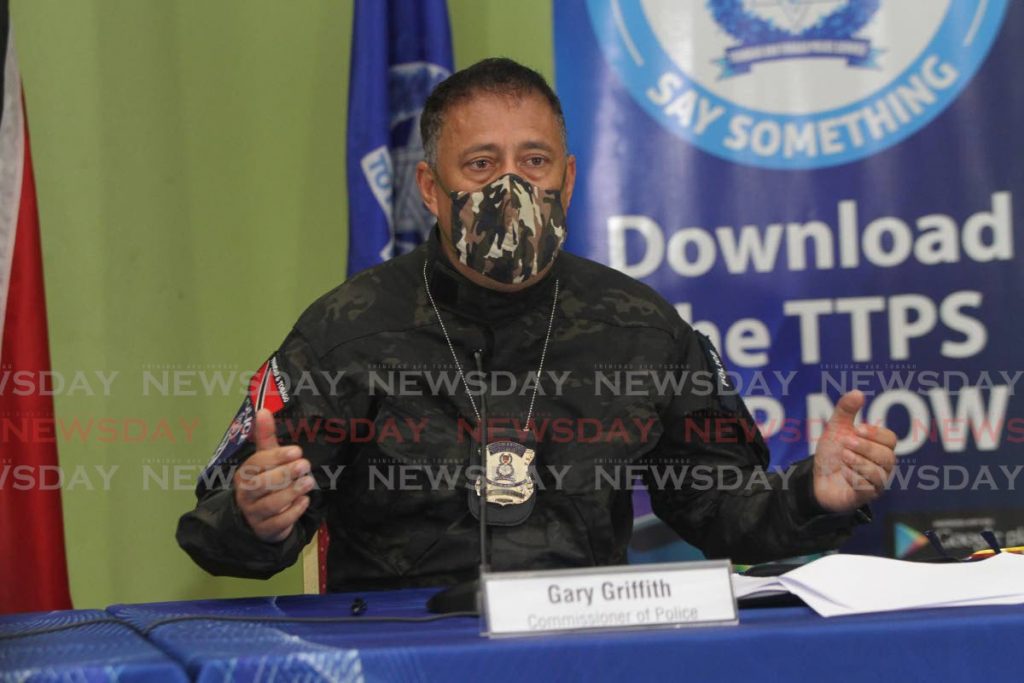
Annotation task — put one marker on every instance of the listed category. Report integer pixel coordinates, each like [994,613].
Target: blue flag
[401,49]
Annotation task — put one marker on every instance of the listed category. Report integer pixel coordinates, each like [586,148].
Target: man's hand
[271,486]
[851,463]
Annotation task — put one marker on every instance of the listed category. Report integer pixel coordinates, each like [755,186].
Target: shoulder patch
[237,433]
[232,441]
[725,392]
[268,389]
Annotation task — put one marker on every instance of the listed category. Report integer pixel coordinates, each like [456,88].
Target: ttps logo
[770,30]
[795,83]
[391,170]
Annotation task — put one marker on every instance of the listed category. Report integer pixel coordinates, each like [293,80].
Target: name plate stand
[667,595]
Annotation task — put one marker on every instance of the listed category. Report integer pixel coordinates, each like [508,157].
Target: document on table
[840,584]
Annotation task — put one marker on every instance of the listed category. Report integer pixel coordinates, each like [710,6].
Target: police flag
[401,49]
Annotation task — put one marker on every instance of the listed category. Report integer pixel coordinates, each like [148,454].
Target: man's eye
[536,162]
[479,164]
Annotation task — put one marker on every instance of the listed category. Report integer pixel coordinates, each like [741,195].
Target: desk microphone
[465,596]
[478,356]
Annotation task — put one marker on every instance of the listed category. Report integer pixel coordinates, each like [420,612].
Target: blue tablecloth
[103,651]
[787,644]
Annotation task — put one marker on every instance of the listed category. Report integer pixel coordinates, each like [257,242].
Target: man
[377,395]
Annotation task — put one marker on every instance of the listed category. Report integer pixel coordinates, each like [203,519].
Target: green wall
[190,168]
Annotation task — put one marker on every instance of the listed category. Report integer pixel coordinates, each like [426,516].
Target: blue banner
[832,191]
[401,49]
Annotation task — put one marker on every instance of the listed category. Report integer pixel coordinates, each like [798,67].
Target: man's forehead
[475,119]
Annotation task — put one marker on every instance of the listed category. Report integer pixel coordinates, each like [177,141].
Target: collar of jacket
[455,293]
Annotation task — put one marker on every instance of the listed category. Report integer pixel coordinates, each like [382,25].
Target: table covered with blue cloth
[79,645]
[787,643]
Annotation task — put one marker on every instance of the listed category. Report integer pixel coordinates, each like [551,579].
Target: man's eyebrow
[495,149]
[537,144]
[484,147]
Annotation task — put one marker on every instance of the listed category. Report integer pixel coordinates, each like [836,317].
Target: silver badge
[508,473]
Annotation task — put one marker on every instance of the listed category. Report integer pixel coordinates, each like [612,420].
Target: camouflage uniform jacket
[355,384]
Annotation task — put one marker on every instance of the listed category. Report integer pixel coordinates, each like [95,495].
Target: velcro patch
[726,393]
[234,438]
[267,389]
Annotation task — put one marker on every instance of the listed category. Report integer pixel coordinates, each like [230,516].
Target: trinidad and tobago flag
[33,570]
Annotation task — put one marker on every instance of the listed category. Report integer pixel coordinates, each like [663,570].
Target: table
[140,643]
[790,643]
[91,647]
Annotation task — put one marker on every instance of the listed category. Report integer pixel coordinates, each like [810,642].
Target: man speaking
[370,413]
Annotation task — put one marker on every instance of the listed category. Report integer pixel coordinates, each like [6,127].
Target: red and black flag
[33,570]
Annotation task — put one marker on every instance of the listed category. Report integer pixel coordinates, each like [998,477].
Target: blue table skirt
[965,644]
[87,652]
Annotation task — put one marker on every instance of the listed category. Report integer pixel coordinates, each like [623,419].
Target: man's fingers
[277,528]
[263,433]
[281,476]
[857,482]
[261,482]
[263,461]
[862,473]
[879,434]
[876,452]
[277,502]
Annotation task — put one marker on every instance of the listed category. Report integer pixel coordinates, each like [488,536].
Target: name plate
[621,597]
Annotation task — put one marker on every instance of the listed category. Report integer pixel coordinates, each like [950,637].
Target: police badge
[771,30]
[510,486]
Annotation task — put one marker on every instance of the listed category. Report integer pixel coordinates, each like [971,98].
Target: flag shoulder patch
[267,389]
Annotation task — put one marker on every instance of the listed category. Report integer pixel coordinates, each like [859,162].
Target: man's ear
[570,181]
[427,184]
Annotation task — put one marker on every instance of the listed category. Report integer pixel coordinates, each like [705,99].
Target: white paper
[856,584]
[756,586]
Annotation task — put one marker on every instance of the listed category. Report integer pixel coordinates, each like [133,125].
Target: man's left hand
[852,463]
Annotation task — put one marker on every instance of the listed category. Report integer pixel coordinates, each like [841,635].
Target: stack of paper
[855,584]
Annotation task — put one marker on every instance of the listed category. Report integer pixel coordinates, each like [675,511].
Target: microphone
[465,596]
[482,452]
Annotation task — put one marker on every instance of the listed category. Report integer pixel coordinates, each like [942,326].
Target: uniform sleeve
[305,400]
[728,504]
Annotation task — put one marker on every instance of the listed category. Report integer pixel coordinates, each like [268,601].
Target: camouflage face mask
[509,230]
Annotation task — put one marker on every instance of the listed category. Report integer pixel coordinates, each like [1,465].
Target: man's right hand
[271,485]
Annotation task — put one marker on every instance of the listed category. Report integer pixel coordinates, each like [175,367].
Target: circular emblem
[795,84]
[505,470]
[409,84]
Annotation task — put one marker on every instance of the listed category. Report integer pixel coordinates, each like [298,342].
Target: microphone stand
[478,357]
[465,596]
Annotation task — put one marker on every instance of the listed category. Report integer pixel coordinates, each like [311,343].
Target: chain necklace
[462,376]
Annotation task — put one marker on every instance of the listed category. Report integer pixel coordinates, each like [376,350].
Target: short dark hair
[494,75]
